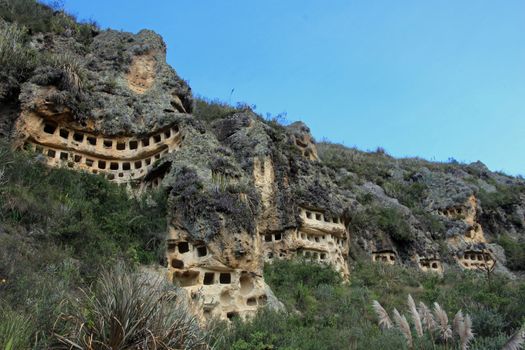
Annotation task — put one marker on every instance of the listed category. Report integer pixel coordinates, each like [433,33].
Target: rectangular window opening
[171,245]
[167,133]
[202,251]
[64,133]
[225,278]
[113,166]
[133,144]
[51,153]
[278,236]
[108,143]
[64,155]
[77,158]
[138,164]
[89,162]
[92,140]
[49,128]
[157,138]
[126,166]
[145,142]
[121,146]
[184,247]
[78,137]
[101,164]
[209,278]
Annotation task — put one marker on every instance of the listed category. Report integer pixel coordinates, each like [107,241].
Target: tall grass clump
[130,310]
[73,73]
[16,57]
[428,325]
[15,329]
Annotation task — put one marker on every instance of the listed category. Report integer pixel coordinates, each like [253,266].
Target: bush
[504,197]
[73,73]
[389,220]
[16,57]
[98,220]
[322,313]
[210,110]
[514,252]
[129,310]
[409,194]
[38,17]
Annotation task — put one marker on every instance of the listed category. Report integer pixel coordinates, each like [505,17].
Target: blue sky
[433,78]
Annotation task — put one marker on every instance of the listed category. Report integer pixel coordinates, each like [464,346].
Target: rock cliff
[244,191]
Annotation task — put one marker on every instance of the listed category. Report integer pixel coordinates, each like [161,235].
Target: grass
[50,17]
[211,110]
[130,310]
[322,313]
[16,57]
[59,228]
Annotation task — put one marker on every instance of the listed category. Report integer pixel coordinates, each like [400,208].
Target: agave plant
[128,310]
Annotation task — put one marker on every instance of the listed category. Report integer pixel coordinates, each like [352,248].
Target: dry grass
[435,324]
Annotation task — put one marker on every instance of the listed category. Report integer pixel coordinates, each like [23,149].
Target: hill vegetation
[80,257]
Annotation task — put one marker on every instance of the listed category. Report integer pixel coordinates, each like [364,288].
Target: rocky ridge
[244,190]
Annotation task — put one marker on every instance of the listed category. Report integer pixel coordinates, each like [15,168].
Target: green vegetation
[211,110]
[504,197]
[388,220]
[514,251]
[409,194]
[58,228]
[128,310]
[16,57]
[372,166]
[322,313]
[51,17]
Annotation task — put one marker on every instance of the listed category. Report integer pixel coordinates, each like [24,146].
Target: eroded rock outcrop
[243,191]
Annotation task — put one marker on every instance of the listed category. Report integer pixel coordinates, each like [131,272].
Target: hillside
[123,193]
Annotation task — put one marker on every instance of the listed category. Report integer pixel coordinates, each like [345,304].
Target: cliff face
[243,190]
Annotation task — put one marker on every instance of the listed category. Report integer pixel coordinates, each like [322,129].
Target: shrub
[38,17]
[129,310]
[322,313]
[16,57]
[73,73]
[504,196]
[389,220]
[98,220]
[210,110]
[408,194]
[514,252]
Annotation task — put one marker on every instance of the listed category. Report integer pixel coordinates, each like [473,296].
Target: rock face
[244,191]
